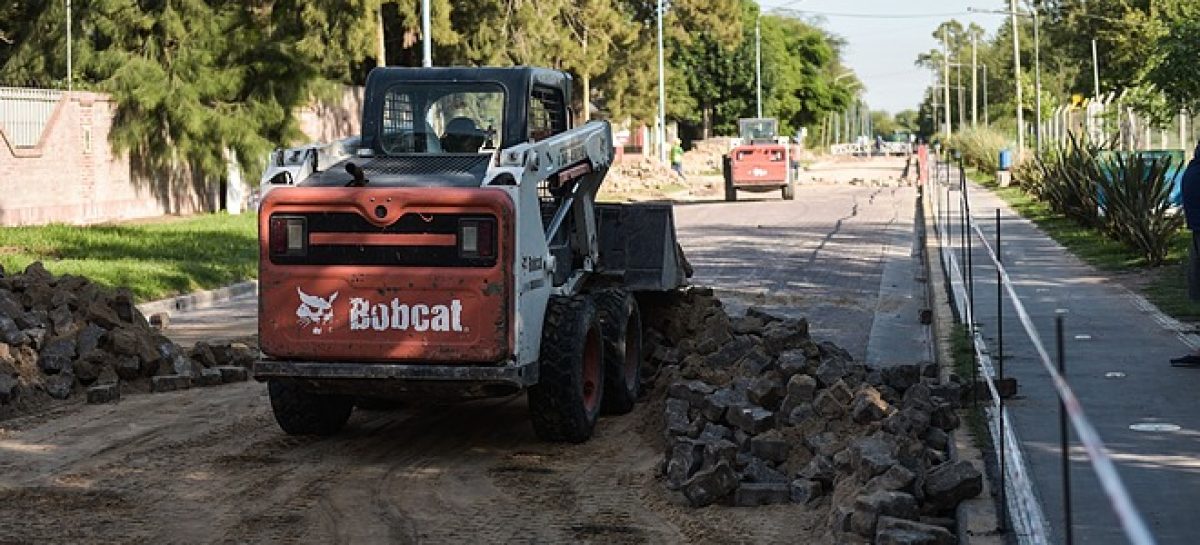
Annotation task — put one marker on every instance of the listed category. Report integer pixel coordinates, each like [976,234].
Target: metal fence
[958,235]
[1111,119]
[25,112]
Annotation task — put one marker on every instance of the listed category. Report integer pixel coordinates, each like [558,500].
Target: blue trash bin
[1006,159]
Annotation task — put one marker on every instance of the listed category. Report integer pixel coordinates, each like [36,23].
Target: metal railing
[25,112]
[957,234]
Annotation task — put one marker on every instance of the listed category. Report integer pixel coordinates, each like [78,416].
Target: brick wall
[72,174]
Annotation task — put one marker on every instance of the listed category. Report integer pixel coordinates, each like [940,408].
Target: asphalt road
[210,465]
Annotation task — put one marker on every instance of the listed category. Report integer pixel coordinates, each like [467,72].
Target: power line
[878,15]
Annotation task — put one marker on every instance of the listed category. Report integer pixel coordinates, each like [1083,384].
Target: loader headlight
[476,238]
[288,236]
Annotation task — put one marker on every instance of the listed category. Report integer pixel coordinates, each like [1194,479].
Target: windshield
[449,118]
[757,129]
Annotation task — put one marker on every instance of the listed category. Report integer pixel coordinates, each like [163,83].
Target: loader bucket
[638,246]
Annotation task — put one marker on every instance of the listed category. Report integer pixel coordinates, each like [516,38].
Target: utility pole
[70,73]
[662,91]
[1095,71]
[380,42]
[1037,74]
[758,61]
[946,81]
[986,120]
[974,79]
[962,110]
[1016,32]
[427,39]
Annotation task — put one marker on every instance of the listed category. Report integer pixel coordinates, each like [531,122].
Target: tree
[1173,65]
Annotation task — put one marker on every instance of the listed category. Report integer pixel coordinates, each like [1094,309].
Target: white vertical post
[1016,32]
[1037,74]
[1095,69]
[974,80]
[758,61]
[70,73]
[946,81]
[426,32]
[662,91]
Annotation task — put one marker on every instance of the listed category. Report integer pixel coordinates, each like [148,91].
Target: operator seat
[462,136]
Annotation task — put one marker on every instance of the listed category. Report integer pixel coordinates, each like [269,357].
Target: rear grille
[429,164]
[413,255]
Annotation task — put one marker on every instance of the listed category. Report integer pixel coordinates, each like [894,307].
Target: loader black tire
[621,324]
[566,401]
[299,412]
[727,174]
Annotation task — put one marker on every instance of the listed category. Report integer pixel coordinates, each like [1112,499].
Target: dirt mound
[705,156]
[638,175]
[757,412]
[63,336]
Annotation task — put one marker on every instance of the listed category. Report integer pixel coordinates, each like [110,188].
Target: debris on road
[62,336]
[757,412]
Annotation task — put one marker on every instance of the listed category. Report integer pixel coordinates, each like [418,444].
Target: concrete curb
[978,518]
[199,299]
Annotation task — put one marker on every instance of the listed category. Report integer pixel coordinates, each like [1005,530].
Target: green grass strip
[154,259]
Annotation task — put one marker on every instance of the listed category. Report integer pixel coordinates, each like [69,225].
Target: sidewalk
[1117,356]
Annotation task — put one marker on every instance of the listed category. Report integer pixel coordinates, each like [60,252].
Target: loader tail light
[477,238]
[288,236]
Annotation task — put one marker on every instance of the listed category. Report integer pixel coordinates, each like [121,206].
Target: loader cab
[452,111]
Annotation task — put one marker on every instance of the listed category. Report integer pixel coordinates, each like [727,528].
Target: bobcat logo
[315,312]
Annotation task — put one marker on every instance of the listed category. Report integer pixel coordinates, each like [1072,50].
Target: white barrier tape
[1131,521]
[1029,524]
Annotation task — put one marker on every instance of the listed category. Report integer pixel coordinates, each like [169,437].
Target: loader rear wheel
[300,412]
[621,323]
[727,174]
[566,401]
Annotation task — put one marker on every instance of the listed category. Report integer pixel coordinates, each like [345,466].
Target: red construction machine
[759,161]
[459,252]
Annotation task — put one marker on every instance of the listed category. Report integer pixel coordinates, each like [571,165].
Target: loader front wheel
[300,412]
[566,401]
[621,323]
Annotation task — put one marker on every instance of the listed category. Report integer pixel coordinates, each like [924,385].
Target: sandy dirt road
[211,466]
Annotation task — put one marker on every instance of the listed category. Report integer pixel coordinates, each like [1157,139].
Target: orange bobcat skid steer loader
[460,252]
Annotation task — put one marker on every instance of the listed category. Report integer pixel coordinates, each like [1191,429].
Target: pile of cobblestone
[757,412]
[65,335]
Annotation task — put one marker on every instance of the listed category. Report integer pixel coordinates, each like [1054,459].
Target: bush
[1069,181]
[1137,204]
[1027,174]
[980,147]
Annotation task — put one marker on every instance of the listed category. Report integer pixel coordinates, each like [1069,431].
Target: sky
[885,37]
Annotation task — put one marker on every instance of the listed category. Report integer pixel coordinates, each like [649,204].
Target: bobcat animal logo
[315,312]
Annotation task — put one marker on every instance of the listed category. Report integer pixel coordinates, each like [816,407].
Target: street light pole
[70,72]
[427,60]
[1095,71]
[1037,74]
[758,61]
[946,81]
[1016,32]
[662,91]
[974,80]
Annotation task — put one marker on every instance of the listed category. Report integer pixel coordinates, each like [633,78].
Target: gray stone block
[170,383]
[755,494]
[103,393]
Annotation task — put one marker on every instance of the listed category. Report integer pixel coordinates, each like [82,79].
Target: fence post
[1003,519]
[1063,438]
[969,222]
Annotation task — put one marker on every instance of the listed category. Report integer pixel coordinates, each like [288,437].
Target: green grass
[1166,286]
[962,351]
[154,260]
